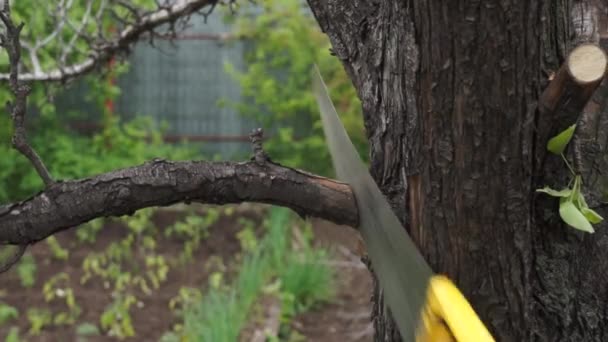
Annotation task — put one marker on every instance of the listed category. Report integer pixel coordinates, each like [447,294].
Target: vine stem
[568,164]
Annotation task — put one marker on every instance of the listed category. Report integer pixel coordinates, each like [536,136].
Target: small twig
[259,155]
[101,46]
[10,42]
[13,259]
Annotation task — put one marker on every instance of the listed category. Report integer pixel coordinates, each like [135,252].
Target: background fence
[182,83]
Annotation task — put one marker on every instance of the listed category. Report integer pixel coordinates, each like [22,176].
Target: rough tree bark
[450,94]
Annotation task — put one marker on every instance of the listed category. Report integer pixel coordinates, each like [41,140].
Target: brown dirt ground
[346,318]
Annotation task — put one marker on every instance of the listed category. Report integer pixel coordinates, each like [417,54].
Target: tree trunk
[450,92]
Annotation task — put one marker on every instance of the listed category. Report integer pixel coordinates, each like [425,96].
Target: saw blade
[402,271]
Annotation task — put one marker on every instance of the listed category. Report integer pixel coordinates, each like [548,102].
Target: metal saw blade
[402,271]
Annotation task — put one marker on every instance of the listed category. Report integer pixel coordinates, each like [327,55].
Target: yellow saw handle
[448,316]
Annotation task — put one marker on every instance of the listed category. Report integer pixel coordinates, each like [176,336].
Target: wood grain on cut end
[587,63]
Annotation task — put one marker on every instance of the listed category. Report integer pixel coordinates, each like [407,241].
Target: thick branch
[160,183]
[128,36]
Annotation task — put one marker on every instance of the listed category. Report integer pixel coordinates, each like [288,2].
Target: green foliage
[69,156]
[57,290]
[192,230]
[186,297]
[7,313]
[117,317]
[88,232]
[38,319]
[26,269]
[13,335]
[87,329]
[39,24]
[66,154]
[558,144]
[573,208]
[573,216]
[299,276]
[307,277]
[57,251]
[131,262]
[247,239]
[286,43]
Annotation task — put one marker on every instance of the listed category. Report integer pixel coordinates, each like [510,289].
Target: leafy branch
[573,209]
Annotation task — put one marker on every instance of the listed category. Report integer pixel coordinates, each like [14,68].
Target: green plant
[87,329]
[132,261]
[573,208]
[156,269]
[285,44]
[247,238]
[38,319]
[307,276]
[186,297]
[116,319]
[57,251]
[299,276]
[57,289]
[192,230]
[7,313]
[26,269]
[13,335]
[88,232]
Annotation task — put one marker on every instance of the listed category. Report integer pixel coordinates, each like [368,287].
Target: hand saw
[426,307]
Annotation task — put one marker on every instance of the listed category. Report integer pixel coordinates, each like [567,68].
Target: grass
[303,278]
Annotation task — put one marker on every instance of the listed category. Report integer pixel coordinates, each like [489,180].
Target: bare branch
[102,47]
[161,183]
[10,41]
[78,31]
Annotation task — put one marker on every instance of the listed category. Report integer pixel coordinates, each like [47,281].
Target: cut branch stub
[569,91]
[576,80]
[587,64]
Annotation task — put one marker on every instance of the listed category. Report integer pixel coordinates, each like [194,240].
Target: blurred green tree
[286,42]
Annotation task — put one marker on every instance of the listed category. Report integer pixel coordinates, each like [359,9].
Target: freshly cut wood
[587,63]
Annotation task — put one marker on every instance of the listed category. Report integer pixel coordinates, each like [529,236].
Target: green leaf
[13,335]
[581,204]
[555,193]
[579,200]
[573,217]
[7,313]
[558,143]
[591,215]
[87,329]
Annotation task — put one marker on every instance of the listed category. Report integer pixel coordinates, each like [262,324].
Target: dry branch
[9,40]
[161,183]
[101,53]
